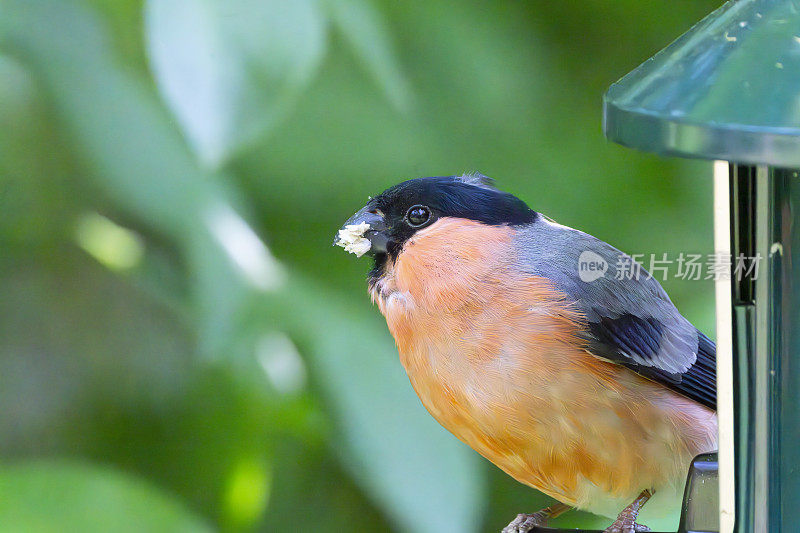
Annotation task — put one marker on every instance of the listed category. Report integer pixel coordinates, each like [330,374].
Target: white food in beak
[351,238]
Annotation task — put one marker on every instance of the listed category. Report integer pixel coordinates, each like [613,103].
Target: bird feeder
[729,90]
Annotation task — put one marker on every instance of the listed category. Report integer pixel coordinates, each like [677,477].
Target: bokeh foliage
[161,367]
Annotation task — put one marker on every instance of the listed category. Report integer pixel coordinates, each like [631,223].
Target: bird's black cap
[400,211]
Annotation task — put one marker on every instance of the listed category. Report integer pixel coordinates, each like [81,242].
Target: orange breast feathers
[495,356]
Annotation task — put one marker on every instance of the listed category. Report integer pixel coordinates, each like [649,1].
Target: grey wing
[630,319]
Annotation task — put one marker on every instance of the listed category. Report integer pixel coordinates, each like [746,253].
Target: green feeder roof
[729,88]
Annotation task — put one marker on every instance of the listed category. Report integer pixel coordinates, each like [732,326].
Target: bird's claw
[624,526]
[524,523]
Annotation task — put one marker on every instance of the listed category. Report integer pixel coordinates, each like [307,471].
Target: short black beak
[376,232]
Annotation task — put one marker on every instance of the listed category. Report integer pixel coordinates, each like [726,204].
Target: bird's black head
[400,211]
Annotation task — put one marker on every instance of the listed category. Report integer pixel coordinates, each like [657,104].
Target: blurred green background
[181,349]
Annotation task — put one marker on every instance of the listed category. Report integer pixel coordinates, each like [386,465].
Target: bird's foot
[626,521]
[621,525]
[524,523]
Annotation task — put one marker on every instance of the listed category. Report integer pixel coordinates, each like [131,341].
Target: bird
[548,351]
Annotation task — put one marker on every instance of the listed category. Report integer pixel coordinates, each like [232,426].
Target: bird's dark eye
[418,215]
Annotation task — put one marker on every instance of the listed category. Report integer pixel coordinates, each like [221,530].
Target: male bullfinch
[593,389]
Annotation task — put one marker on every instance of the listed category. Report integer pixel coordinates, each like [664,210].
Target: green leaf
[34,166]
[231,69]
[421,475]
[137,158]
[66,496]
[362,26]
[113,121]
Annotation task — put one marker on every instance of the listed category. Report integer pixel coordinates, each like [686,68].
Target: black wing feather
[615,338]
